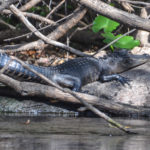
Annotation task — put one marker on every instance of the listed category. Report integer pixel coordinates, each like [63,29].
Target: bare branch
[55,9]
[5,67]
[45,27]
[30,4]
[8,25]
[32,15]
[38,17]
[114,41]
[134,2]
[44,38]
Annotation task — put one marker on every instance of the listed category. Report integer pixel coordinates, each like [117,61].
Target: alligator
[80,71]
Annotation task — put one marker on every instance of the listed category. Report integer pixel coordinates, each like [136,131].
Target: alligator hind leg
[68,81]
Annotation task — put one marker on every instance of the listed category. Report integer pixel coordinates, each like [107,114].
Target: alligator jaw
[125,62]
[137,60]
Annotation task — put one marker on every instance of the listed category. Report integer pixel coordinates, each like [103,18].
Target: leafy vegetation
[41,10]
[102,22]
[108,25]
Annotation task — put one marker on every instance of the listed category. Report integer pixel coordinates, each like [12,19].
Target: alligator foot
[121,79]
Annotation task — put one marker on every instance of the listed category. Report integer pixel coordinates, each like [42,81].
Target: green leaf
[105,23]
[126,42]
[112,48]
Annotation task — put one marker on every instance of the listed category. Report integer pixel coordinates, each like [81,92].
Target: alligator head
[124,60]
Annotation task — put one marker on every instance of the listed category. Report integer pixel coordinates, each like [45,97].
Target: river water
[44,132]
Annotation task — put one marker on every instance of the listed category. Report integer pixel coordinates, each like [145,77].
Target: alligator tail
[17,71]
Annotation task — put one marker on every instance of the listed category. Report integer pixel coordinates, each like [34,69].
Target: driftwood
[35,89]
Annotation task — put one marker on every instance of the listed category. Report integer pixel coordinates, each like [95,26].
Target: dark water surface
[66,133]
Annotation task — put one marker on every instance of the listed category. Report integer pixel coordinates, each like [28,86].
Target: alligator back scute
[85,68]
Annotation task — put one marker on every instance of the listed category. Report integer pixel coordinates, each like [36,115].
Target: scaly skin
[80,71]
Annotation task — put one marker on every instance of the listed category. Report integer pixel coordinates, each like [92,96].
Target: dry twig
[30,4]
[34,16]
[55,9]
[8,25]
[135,2]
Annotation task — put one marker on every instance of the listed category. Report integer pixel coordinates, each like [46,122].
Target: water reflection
[136,143]
[48,142]
[69,134]
[73,142]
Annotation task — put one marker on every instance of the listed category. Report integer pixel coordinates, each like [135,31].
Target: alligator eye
[111,62]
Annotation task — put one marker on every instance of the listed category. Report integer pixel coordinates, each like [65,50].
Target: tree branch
[30,4]
[117,14]
[40,35]
[56,34]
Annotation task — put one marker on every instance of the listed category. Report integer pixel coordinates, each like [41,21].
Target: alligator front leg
[68,81]
[121,79]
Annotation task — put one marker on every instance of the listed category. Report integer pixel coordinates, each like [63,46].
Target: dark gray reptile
[80,71]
